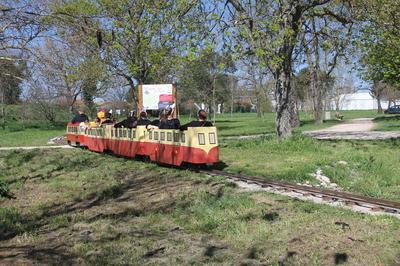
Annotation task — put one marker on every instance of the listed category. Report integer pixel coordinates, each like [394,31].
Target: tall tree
[137,39]
[271,29]
[380,40]
[205,78]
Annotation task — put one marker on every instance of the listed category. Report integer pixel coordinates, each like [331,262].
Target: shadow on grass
[221,128]
[53,254]
[387,118]
[136,185]
[312,122]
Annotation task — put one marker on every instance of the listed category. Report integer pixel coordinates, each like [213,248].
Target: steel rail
[373,204]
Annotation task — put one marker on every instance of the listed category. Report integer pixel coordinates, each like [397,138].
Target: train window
[120,132]
[156,135]
[169,136]
[211,137]
[162,136]
[130,133]
[124,133]
[112,133]
[202,139]
[133,133]
[150,135]
[176,137]
[183,137]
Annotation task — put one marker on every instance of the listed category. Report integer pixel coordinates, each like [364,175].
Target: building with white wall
[361,100]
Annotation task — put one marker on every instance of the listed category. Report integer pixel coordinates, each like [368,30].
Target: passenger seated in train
[201,121]
[80,117]
[108,120]
[155,123]
[143,121]
[129,122]
[168,121]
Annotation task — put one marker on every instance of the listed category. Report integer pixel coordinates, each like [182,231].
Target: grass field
[28,137]
[387,123]
[80,207]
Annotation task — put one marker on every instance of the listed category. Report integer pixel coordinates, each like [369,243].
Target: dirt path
[360,128]
[35,147]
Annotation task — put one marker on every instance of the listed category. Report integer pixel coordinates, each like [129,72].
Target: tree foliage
[139,40]
[380,40]
[203,75]
[12,74]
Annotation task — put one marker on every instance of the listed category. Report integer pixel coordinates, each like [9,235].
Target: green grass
[79,207]
[249,124]
[351,114]
[28,137]
[387,123]
[370,167]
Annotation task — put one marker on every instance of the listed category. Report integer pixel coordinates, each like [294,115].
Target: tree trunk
[213,100]
[389,104]
[294,112]
[337,104]
[378,99]
[282,92]
[132,94]
[258,104]
[316,81]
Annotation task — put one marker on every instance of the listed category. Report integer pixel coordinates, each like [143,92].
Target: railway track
[320,195]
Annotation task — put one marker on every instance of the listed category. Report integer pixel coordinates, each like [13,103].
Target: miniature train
[196,145]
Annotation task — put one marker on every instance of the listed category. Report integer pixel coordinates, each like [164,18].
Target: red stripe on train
[163,153]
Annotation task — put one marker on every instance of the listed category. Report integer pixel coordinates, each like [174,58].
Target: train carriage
[196,145]
[75,134]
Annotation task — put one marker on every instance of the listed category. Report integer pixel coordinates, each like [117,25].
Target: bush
[5,190]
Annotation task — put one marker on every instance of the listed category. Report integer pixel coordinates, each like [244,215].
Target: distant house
[360,100]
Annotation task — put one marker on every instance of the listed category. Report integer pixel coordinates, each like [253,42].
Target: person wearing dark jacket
[143,121]
[168,121]
[108,120]
[80,117]
[201,121]
[129,122]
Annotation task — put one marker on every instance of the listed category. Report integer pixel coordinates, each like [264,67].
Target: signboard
[156,96]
